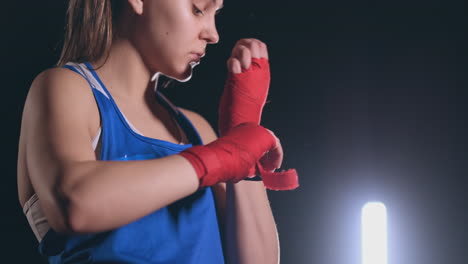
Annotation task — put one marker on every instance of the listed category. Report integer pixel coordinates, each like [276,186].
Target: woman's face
[169,33]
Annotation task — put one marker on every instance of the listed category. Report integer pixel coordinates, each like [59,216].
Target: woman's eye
[197,11]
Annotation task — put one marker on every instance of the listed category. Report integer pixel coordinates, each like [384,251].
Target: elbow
[74,216]
[64,217]
[72,205]
[76,221]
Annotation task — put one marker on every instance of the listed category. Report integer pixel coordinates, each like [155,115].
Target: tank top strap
[84,70]
[87,71]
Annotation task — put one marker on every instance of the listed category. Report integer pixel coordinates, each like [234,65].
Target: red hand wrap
[244,95]
[279,181]
[229,158]
[242,101]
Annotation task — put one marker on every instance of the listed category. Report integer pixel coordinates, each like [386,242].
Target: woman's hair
[89,30]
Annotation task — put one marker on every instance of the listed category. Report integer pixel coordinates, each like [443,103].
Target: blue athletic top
[183,232]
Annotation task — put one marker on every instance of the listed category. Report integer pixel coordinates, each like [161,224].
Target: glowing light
[374,233]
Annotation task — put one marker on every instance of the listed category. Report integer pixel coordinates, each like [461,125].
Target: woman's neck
[124,72]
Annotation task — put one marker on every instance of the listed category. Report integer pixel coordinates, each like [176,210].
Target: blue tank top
[186,231]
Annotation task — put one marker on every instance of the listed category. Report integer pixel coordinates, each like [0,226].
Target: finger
[252,44]
[238,46]
[234,65]
[243,54]
[274,158]
[259,49]
[263,50]
[254,47]
[276,155]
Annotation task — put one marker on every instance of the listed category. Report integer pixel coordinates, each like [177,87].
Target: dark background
[367,97]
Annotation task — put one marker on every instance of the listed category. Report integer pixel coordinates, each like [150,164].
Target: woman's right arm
[77,193]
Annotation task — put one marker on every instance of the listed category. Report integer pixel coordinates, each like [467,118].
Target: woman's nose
[210,33]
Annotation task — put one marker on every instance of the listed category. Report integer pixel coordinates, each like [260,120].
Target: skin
[79,194]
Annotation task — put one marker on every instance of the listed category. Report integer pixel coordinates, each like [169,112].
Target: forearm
[104,195]
[251,234]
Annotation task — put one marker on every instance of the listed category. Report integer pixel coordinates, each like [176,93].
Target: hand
[229,158]
[243,99]
[273,159]
[268,163]
[243,52]
[247,85]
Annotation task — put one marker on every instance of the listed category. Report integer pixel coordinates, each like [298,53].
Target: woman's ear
[137,6]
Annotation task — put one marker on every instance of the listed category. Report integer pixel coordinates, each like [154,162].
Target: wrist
[254,178]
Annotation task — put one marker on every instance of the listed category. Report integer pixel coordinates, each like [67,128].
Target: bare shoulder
[206,131]
[57,82]
[59,91]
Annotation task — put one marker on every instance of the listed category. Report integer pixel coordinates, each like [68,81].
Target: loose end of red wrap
[279,181]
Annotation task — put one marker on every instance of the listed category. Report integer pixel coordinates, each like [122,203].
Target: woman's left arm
[246,222]
[251,235]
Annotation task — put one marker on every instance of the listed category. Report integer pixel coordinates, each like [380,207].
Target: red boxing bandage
[244,95]
[243,99]
[231,157]
[279,181]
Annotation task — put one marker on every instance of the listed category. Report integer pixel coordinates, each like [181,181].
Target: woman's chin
[186,74]
[183,74]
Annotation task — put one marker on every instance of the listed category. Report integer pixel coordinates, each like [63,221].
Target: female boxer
[110,171]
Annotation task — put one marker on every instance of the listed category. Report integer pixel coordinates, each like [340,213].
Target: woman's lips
[196,57]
